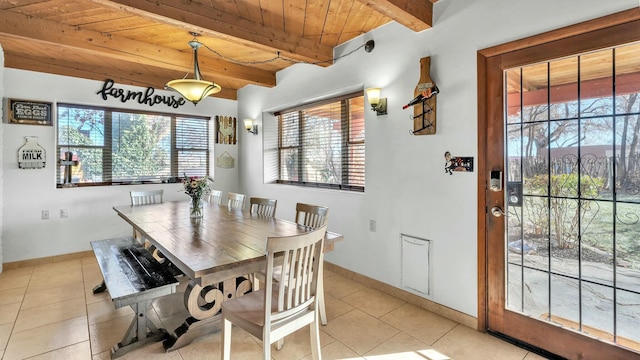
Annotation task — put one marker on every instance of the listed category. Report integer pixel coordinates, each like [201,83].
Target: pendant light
[195,89]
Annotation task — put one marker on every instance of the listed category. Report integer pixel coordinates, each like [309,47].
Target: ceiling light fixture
[195,89]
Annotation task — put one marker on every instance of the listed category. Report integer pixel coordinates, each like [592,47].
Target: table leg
[203,304]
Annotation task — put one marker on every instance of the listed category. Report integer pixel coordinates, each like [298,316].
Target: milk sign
[29,112]
[31,155]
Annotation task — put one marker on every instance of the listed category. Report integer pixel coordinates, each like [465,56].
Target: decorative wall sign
[226,161]
[146,97]
[31,155]
[457,163]
[226,129]
[29,112]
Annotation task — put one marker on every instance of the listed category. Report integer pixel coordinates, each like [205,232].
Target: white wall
[407,189]
[25,193]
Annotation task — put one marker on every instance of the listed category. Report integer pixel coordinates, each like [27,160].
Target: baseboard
[413,299]
[45,260]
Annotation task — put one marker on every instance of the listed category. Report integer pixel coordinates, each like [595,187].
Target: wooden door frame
[607,31]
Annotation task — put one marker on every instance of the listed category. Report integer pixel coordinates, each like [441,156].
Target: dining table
[215,254]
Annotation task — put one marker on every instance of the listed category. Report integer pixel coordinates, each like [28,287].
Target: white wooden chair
[262,206]
[313,216]
[146,197]
[235,200]
[214,197]
[140,198]
[283,307]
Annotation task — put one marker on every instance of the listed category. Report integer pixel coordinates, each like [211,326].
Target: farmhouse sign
[29,112]
[142,97]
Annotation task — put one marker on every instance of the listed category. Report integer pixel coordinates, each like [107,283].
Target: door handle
[497,211]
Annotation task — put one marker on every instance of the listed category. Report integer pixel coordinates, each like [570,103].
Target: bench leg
[137,334]
[100,288]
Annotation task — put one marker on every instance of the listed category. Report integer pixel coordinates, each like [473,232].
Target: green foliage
[139,151]
[569,203]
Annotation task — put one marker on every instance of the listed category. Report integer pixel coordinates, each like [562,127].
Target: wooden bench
[134,278]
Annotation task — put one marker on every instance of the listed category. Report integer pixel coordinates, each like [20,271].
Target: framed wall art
[28,112]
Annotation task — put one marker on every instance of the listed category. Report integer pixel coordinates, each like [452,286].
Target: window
[322,144]
[112,146]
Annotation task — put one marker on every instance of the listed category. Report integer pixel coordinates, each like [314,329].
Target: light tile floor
[49,312]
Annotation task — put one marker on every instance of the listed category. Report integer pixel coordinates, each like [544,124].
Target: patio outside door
[563,234]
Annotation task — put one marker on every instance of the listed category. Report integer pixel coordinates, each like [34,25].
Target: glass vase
[195,208]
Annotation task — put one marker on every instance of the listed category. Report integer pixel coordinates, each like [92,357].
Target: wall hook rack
[424,102]
[426,110]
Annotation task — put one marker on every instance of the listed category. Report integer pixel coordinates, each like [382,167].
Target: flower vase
[195,208]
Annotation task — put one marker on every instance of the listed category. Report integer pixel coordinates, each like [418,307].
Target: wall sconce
[379,105]
[248,124]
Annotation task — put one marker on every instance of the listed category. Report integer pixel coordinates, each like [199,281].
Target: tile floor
[49,312]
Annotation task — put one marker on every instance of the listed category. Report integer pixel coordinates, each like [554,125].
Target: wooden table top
[222,244]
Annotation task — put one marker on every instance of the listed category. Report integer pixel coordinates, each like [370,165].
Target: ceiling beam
[107,45]
[417,15]
[79,70]
[207,20]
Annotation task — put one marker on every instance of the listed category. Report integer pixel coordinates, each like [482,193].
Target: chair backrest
[301,258]
[235,201]
[313,216]
[262,206]
[214,196]
[146,197]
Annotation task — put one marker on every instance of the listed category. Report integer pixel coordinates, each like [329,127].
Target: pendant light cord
[280,57]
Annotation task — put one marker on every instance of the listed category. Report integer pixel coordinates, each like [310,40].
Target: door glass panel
[535,93]
[597,310]
[514,93]
[627,63]
[563,91]
[565,295]
[514,284]
[573,162]
[628,306]
[596,83]
[535,293]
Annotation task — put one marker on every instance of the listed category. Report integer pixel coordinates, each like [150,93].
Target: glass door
[572,170]
[559,118]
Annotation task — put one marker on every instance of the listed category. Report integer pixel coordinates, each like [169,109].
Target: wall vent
[416,253]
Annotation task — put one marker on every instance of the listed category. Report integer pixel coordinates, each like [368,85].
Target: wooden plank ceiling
[145,42]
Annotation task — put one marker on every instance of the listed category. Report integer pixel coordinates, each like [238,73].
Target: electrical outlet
[372,225]
[64,213]
[45,214]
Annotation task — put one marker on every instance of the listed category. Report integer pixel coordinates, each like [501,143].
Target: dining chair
[283,307]
[313,216]
[262,206]
[214,197]
[146,197]
[140,198]
[235,200]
